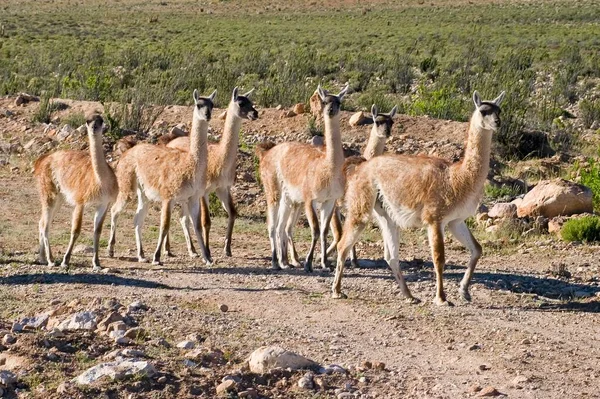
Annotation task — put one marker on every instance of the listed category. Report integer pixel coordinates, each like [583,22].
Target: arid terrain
[531,331]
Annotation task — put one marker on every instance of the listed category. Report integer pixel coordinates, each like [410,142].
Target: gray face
[384,124]
[245,108]
[204,107]
[331,105]
[490,113]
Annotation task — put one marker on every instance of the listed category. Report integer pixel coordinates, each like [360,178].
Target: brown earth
[534,311]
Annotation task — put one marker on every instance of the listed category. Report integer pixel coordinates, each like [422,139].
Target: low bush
[585,229]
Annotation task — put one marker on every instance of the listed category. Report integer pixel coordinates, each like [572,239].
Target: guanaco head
[95,125]
[487,113]
[204,105]
[242,105]
[331,103]
[382,123]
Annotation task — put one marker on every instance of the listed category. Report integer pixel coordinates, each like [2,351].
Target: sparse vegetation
[584,229]
[590,177]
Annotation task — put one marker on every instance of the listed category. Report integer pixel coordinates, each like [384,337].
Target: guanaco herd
[399,191]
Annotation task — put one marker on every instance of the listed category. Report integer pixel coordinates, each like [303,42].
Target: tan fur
[166,175]
[221,169]
[80,178]
[411,191]
[297,173]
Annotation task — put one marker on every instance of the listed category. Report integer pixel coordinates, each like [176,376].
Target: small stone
[362,380]
[483,367]
[63,388]
[379,366]
[55,333]
[526,342]
[162,380]
[306,382]
[123,341]
[132,353]
[136,305]
[116,370]
[249,393]
[359,119]
[83,249]
[113,317]
[346,395]
[489,391]
[116,326]
[7,378]
[474,388]
[288,114]
[160,342]
[474,347]
[189,363]
[333,369]
[79,321]
[224,308]
[299,108]
[136,333]
[519,380]
[186,345]
[317,141]
[195,337]
[225,386]
[16,327]
[367,364]
[35,323]
[9,339]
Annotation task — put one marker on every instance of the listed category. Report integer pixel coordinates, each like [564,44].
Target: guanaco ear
[393,111]
[374,111]
[234,95]
[212,96]
[500,98]
[248,94]
[322,93]
[342,93]
[476,99]
[196,96]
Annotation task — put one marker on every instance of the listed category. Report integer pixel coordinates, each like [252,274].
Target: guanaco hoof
[339,295]
[442,302]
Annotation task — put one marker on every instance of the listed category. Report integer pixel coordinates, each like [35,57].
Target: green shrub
[590,177]
[590,111]
[46,109]
[214,206]
[494,192]
[439,102]
[75,119]
[585,229]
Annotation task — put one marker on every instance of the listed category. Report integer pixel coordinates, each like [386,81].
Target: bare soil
[523,319]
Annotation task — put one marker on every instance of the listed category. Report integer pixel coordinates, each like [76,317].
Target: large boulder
[267,358]
[558,197]
[360,118]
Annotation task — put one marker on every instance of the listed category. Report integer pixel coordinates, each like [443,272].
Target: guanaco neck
[472,171]
[375,145]
[99,165]
[198,153]
[334,153]
[228,146]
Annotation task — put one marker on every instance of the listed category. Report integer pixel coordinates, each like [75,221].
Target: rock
[162,380]
[379,366]
[55,333]
[316,106]
[177,131]
[63,388]
[482,217]
[555,224]
[299,108]
[136,333]
[9,339]
[288,114]
[474,388]
[83,249]
[160,342]
[195,337]
[306,382]
[359,119]
[550,198]
[367,364]
[345,395]
[189,363]
[249,393]
[117,370]
[136,305]
[317,141]
[124,144]
[81,130]
[7,378]
[489,391]
[116,326]
[517,201]
[186,344]
[266,358]
[519,380]
[35,323]
[65,132]
[113,317]
[226,386]
[224,308]
[332,369]
[503,210]
[16,327]
[79,321]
